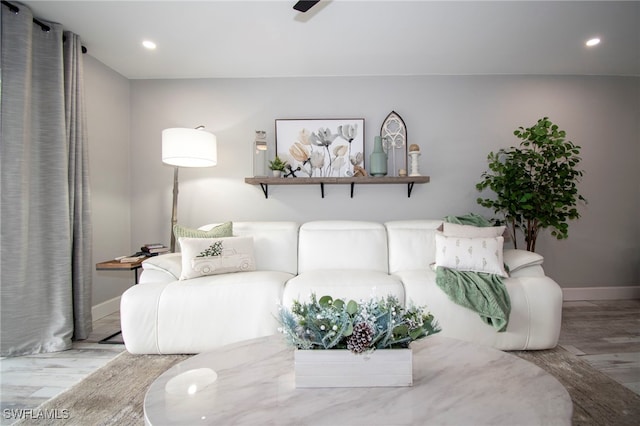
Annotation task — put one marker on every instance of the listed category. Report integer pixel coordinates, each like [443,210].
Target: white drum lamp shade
[186,147]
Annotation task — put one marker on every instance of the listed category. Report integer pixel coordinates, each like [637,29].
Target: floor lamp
[184,147]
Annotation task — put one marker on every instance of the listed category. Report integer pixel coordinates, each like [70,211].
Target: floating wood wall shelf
[264,182]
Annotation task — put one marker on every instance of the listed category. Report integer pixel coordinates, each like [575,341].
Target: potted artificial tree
[277,166]
[535,183]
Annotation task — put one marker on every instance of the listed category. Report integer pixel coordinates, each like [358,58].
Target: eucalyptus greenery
[328,323]
[535,183]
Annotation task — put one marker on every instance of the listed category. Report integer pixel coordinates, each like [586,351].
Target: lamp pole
[174,211]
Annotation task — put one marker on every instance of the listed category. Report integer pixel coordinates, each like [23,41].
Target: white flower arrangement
[361,327]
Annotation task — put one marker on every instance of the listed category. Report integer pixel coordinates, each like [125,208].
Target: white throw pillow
[518,259]
[469,231]
[471,254]
[209,256]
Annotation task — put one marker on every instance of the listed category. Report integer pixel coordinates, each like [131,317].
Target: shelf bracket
[409,189]
[265,189]
[352,185]
[322,189]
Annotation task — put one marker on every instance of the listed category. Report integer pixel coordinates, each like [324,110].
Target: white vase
[276,173]
[338,368]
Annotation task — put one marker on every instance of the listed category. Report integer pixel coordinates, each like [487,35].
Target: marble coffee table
[454,383]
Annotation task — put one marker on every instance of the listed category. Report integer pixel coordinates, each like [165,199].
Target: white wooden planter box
[340,368]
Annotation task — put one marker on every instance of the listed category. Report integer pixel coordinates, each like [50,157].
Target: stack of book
[146,250]
[154,249]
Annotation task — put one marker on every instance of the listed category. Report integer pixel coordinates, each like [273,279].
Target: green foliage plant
[360,327]
[277,164]
[535,183]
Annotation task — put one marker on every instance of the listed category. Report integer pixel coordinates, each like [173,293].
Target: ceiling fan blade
[304,5]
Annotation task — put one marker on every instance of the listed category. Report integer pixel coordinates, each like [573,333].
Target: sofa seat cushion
[201,314]
[343,284]
[534,322]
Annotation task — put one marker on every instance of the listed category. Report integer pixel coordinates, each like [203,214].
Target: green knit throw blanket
[468,219]
[485,294]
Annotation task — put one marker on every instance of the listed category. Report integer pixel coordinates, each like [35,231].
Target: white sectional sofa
[346,259]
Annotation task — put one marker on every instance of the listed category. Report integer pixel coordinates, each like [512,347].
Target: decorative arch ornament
[394,135]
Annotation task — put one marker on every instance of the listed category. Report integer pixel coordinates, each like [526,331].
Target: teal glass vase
[378,159]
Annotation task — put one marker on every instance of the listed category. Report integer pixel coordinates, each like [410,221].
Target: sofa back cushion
[411,244]
[275,244]
[347,245]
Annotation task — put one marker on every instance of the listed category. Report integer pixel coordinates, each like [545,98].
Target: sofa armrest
[139,321]
[544,303]
[160,268]
[521,259]
[528,271]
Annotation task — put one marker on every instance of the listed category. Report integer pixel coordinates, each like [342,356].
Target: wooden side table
[116,265]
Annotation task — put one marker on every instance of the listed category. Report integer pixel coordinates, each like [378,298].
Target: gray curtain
[45,286]
[78,178]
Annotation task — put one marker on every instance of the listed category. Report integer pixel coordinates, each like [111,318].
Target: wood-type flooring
[604,333]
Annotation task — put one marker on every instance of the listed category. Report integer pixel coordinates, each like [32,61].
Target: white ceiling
[201,39]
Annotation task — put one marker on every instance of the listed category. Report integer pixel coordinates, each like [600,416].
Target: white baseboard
[601,293]
[103,309]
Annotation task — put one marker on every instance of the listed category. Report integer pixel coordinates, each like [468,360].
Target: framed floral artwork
[321,147]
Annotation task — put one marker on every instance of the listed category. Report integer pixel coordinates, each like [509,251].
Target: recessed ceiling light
[149,44]
[593,42]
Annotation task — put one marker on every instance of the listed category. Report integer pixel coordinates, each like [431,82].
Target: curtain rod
[15,9]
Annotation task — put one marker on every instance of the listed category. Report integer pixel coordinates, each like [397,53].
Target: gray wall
[456,120]
[108,115]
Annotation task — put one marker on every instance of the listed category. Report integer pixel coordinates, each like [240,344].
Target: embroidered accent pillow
[220,231]
[471,254]
[470,231]
[210,256]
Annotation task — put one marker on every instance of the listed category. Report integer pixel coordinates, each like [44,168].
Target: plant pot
[341,368]
[276,173]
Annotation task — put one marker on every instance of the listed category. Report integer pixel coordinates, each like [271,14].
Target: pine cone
[361,338]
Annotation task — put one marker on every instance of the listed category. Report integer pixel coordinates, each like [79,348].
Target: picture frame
[321,147]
